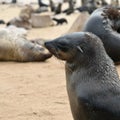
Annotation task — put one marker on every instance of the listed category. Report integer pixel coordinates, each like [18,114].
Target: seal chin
[62,55]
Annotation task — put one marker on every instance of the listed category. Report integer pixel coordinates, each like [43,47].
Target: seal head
[72,47]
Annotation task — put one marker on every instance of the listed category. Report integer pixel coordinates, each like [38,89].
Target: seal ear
[80,49]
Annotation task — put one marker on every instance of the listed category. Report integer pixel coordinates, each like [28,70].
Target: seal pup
[25,13]
[24,18]
[106,22]
[18,22]
[93,84]
[15,47]
[60,21]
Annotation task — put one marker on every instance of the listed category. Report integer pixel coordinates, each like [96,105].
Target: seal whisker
[80,49]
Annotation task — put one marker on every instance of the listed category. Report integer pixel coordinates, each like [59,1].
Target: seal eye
[63,47]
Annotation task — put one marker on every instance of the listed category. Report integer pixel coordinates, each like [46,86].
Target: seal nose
[47,44]
[50,46]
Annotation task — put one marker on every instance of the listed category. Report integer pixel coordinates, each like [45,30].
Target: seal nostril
[47,44]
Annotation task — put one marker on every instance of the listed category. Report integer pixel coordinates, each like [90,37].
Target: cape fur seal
[23,20]
[89,6]
[15,47]
[93,84]
[18,22]
[105,23]
[60,21]
[25,13]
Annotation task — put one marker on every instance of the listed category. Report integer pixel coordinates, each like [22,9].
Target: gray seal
[93,84]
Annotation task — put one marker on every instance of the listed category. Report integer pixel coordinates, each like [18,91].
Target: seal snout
[47,45]
[50,46]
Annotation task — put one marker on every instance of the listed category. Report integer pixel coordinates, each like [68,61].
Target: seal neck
[97,60]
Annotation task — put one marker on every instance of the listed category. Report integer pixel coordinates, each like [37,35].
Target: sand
[34,90]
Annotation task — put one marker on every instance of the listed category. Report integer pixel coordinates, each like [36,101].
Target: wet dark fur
[60,21]
[93,84]
[114,15]
[106,22]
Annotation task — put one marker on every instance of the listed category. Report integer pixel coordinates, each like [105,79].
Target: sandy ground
[34,91]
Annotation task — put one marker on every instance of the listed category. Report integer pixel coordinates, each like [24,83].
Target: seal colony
[93,84]
[106,22]
[14,47]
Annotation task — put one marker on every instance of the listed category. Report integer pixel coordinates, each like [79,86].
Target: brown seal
[14,47]
[23,20]
[18,22]
[25,13]
[93,84]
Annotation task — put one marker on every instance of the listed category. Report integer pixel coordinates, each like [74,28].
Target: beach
[35,90]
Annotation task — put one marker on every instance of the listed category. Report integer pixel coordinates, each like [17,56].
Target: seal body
[105,23]
[89,6]
[60,21]
[18,22]
[15,47]
[93,84]
[25,13]
[23,20]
